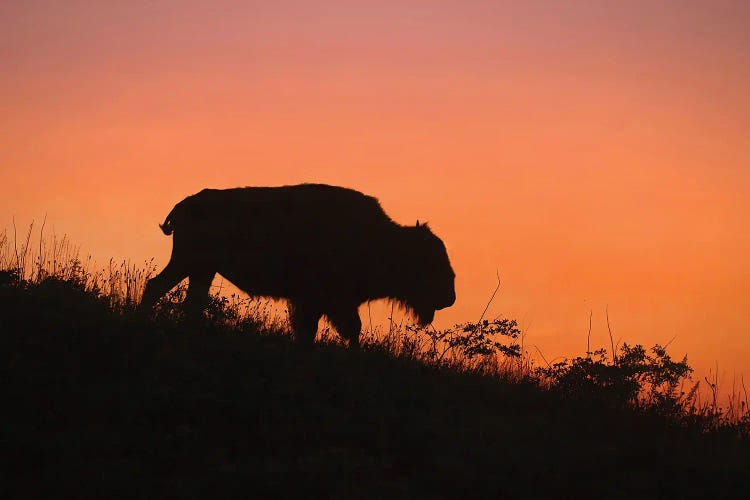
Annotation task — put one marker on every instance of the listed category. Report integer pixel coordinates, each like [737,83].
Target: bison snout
[450,300]
[425,317]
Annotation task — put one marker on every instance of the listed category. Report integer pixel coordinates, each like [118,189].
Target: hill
[100,403]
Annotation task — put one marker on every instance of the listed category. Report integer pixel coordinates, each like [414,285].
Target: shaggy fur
[325,249]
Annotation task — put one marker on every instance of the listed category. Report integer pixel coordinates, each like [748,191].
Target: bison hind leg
[304,320]
[160,284]
[196,300]
[347,322]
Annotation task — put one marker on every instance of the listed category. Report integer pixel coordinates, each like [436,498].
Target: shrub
[634,377]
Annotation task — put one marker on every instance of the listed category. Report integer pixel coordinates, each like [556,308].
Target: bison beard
[325,249]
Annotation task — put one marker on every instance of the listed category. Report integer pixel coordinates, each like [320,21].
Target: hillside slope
[98,404]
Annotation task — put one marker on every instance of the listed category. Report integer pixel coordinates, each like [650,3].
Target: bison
[325,249]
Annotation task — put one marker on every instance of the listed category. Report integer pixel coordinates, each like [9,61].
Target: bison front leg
[346,321]
[304,320]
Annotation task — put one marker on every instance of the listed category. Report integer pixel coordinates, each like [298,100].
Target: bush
[634,377]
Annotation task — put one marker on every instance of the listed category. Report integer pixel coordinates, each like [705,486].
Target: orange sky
[596,154]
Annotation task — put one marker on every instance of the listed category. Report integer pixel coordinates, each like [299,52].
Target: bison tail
[168,227]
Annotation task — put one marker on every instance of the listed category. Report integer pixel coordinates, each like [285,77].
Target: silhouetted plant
[10,277]
[472,340]
[636,377]
[481,339]
[170,307]
[232,312]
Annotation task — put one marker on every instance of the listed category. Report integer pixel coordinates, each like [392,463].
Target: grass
[99,402]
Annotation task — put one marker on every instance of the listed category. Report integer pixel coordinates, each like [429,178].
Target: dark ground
[100,405]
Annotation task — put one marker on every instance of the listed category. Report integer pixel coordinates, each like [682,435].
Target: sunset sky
[595,153]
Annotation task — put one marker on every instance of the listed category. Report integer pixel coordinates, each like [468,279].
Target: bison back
[283,241]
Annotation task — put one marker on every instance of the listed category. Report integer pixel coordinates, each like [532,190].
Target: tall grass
[33,258]
[628,376]
[30,260]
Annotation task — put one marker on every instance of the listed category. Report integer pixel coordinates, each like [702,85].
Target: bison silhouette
[325,249]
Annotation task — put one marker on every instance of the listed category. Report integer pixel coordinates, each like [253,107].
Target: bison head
[429,278]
